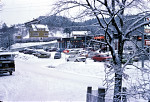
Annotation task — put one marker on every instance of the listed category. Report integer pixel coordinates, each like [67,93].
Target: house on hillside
[18,37]
[38,31]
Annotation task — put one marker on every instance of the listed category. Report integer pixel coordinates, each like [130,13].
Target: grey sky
[20,11]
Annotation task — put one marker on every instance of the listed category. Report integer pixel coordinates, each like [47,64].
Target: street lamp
[75,37]
[85,40]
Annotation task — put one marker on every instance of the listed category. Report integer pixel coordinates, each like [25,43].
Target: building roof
[39,26]
[82,33]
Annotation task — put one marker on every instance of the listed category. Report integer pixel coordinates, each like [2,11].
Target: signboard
[146,30]
[147,27]
[147,42]
[99,37]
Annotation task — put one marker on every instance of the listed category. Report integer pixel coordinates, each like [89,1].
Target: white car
[76,58]
[83,53]
[73,51]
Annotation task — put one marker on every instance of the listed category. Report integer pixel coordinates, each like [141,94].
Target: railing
[95,96]
[99,95]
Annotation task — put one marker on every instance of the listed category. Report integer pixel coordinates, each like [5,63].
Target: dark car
[101,57]
[57,55]
[28,51]
[51,49]
[60,50]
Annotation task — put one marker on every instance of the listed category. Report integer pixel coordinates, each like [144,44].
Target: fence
[99,95]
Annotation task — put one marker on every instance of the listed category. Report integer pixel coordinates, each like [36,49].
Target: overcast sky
[21,11]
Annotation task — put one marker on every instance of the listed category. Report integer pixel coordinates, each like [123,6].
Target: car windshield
[57,54]
[71,56]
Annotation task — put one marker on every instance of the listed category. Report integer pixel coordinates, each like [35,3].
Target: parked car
[7,62]
[136,59]
[83,53]
[91,54]
[126,58]
[76,58]
[101,57]
[51,49]
[57,55]
[41,54]
[22,50]
[66,51]
[60,50]
[71,51]
[29,51]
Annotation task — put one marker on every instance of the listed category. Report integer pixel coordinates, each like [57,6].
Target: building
[77,39]
[98,42]
[38,31]
[18,37]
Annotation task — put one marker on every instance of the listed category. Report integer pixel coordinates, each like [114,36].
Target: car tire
[10,72]
[94,60]
[67,60]
[76,60]
[103,60]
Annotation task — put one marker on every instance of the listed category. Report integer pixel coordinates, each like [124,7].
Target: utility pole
[143,43]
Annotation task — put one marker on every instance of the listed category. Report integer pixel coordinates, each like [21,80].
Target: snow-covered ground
[49,79]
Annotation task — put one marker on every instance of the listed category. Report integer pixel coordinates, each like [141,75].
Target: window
[1,65]
[35,34]
[45,34]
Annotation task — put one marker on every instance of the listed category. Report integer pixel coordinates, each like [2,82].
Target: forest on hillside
[68,25]
[55,22]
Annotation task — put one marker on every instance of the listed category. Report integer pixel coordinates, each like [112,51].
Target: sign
[146,30]
[147,42]
[147,27]
[99,37]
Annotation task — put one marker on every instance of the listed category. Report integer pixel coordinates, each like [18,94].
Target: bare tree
[1,5]
[113,17]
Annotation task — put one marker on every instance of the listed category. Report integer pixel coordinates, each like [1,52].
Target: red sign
[99,37]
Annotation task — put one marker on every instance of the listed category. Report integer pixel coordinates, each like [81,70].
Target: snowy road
[34,81]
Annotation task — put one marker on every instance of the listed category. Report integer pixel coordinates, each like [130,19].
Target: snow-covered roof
[7,53]
[80,33]
[39,26]
[23,45]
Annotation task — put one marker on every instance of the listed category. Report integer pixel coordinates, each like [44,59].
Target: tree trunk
[117,87]
[118,74]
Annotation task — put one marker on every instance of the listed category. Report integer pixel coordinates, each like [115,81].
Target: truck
[7,62]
